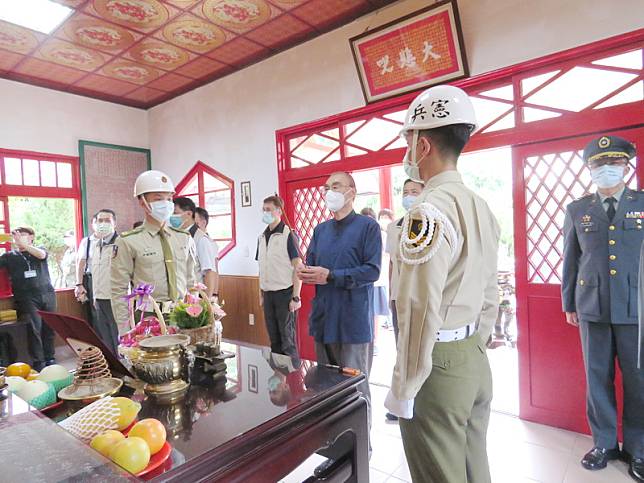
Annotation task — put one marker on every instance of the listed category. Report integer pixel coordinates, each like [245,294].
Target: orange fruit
[150,430]
[19,369]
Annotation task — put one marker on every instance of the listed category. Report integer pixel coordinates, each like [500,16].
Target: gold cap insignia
[164,179]
[586,218]
[603,142]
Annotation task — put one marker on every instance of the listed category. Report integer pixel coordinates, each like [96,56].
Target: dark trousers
[105,325]
[40,335]
[354,356]
[92,314]
[601,343]
[280,321]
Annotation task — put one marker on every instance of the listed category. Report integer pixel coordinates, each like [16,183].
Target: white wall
[230,124]
[44,120]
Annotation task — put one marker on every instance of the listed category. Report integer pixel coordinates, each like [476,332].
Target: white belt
[456,334]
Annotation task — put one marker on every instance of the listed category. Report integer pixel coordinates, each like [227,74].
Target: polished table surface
[264,395]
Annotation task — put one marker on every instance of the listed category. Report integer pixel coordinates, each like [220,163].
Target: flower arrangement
[191,314]
[197,316]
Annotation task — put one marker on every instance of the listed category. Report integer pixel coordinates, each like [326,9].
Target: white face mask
[607,176]
[408,201]
[104,229]
[161,210]
[411,168]
[334,200]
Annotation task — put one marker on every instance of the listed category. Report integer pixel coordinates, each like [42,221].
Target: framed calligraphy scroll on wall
[419,50]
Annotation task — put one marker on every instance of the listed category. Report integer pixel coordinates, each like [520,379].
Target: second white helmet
[439,106]
[153,181]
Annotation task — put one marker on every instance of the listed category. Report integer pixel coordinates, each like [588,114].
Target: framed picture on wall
[245,194]
[253,382]
[415,51]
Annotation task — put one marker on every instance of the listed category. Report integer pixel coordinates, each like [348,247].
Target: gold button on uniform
[613,272]
[611,228]
[612,257]
[581,282]
[611,242]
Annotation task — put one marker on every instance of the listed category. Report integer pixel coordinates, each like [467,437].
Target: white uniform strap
[436,228]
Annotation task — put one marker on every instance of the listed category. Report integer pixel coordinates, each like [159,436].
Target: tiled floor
[519,452]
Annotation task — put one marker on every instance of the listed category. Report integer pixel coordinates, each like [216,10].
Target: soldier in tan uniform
[447,300]
[153,253]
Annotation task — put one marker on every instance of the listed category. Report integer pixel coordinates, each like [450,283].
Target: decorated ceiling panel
[143,52]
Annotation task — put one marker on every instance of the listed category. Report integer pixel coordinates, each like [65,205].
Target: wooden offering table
[269,415]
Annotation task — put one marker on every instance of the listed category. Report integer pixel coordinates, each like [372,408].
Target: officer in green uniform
[154,253]
[447,300]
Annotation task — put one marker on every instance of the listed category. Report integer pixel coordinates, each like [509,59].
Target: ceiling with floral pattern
[141,53]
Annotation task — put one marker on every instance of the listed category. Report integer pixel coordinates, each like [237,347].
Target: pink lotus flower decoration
[192,299]
[194,310]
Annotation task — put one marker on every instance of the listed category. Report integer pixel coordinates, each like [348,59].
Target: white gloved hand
[402,409]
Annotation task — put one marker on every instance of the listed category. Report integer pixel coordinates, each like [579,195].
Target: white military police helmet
[439,106]
[153,182]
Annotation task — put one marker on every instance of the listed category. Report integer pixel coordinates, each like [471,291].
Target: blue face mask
[175,221]
[408,201]
[268,217]
[607,176]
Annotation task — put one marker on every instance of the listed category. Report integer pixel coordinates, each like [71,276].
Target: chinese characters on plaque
[419,50]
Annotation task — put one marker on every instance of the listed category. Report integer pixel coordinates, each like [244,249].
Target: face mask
[607,176]
[104,229]
[411,168]
[161,210]
[175,221]
[268,217]
[334,200]
[408,201]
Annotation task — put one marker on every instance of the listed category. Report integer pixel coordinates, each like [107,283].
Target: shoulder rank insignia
[424,231]
[138,229]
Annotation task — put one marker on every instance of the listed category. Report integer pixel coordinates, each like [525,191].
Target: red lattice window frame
[32,189]
[330,139]
[194,185]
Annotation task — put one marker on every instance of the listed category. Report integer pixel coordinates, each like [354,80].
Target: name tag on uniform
[30,274]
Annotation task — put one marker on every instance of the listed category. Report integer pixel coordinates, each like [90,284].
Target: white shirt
[82,251]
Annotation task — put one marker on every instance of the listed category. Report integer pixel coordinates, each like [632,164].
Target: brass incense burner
[164,363]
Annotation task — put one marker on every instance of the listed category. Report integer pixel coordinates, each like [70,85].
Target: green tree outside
[50,218]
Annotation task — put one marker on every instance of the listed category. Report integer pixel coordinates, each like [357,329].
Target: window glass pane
[31,172]
[375,134]
[13,170]
[220,227]
[48,173]
[64,175]
[211,183]
[192,186]
[50,218]
[579,88]
[218,202]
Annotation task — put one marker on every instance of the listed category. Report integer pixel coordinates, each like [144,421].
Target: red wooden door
[305,209]
[547,177]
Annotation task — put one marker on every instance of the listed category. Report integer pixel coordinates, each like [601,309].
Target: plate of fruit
[140,449]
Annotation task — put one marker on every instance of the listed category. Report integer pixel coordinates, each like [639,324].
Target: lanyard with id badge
[29,273]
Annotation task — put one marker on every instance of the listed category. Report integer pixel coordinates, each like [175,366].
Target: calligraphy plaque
[416,51]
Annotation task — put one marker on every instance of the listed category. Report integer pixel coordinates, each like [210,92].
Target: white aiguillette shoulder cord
[435,230]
